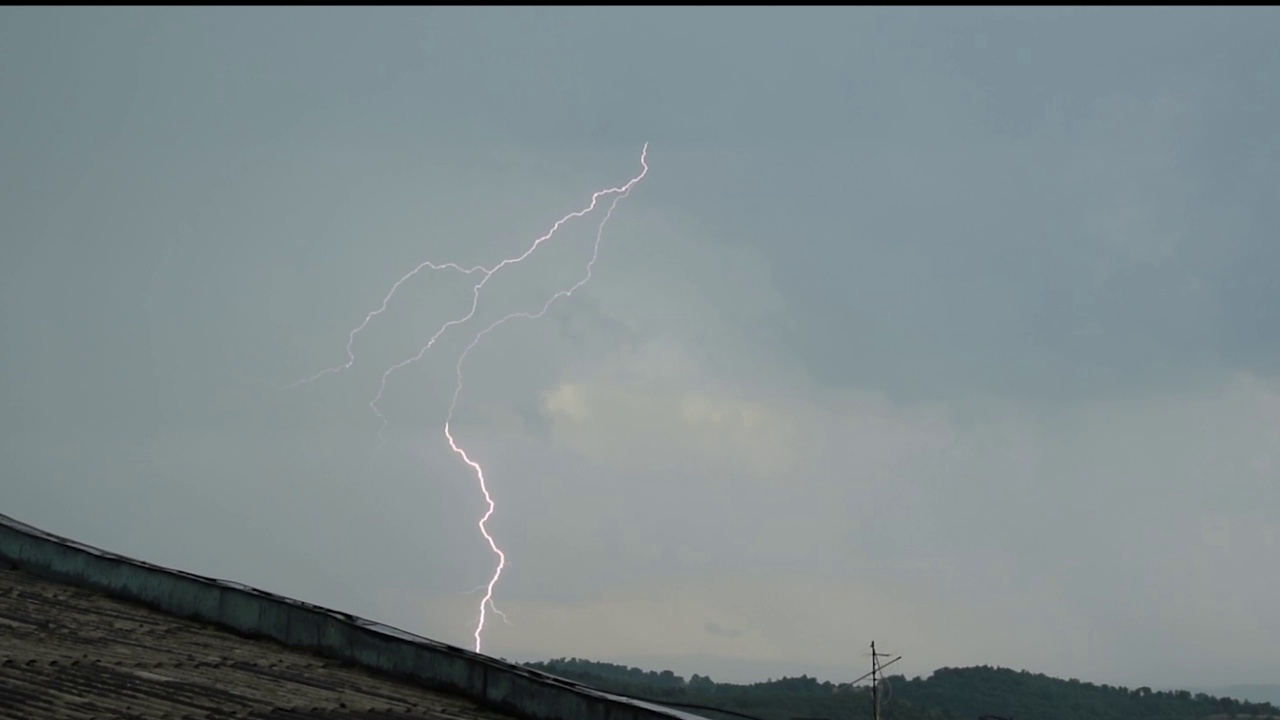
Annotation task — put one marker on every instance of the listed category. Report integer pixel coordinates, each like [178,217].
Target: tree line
[946,694]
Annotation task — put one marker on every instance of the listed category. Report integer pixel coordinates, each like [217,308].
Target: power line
[876,667]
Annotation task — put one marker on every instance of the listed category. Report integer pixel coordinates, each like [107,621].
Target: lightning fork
[487,601]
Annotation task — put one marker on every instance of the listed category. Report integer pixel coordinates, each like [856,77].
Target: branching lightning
[486,273]
[494,608]
[475,291]
[351,336]
[487,601]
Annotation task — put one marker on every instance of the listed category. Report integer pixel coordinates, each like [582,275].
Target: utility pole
[875,684]
[876,678]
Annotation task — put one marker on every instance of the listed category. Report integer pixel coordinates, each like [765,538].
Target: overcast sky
[956,330]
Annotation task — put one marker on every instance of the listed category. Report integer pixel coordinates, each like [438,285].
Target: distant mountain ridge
[947,694]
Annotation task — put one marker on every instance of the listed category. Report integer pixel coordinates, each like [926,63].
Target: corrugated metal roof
[67,652]
[80,627]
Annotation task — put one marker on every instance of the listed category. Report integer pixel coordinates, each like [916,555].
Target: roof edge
[245,610]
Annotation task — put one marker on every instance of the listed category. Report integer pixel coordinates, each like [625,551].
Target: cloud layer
[947,330]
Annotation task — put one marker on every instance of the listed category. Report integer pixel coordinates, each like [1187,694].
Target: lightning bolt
[487,601]
[351,336]
[486,273]
[492,607]
[475,291]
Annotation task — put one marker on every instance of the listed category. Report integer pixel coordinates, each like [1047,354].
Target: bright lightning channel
[487,601]
[486,273]
[475,291]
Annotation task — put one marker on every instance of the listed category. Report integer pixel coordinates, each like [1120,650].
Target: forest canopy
[946,694]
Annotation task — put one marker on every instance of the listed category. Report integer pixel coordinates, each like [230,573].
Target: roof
[70,652]
[86,633]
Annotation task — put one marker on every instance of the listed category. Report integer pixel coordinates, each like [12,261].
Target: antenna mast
[875,683]
[876,678]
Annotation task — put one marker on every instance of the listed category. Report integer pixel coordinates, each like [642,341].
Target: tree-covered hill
[947,694]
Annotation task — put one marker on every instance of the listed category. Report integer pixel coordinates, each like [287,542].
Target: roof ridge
[374,646]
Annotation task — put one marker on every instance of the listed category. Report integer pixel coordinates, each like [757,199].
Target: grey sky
[951,329]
